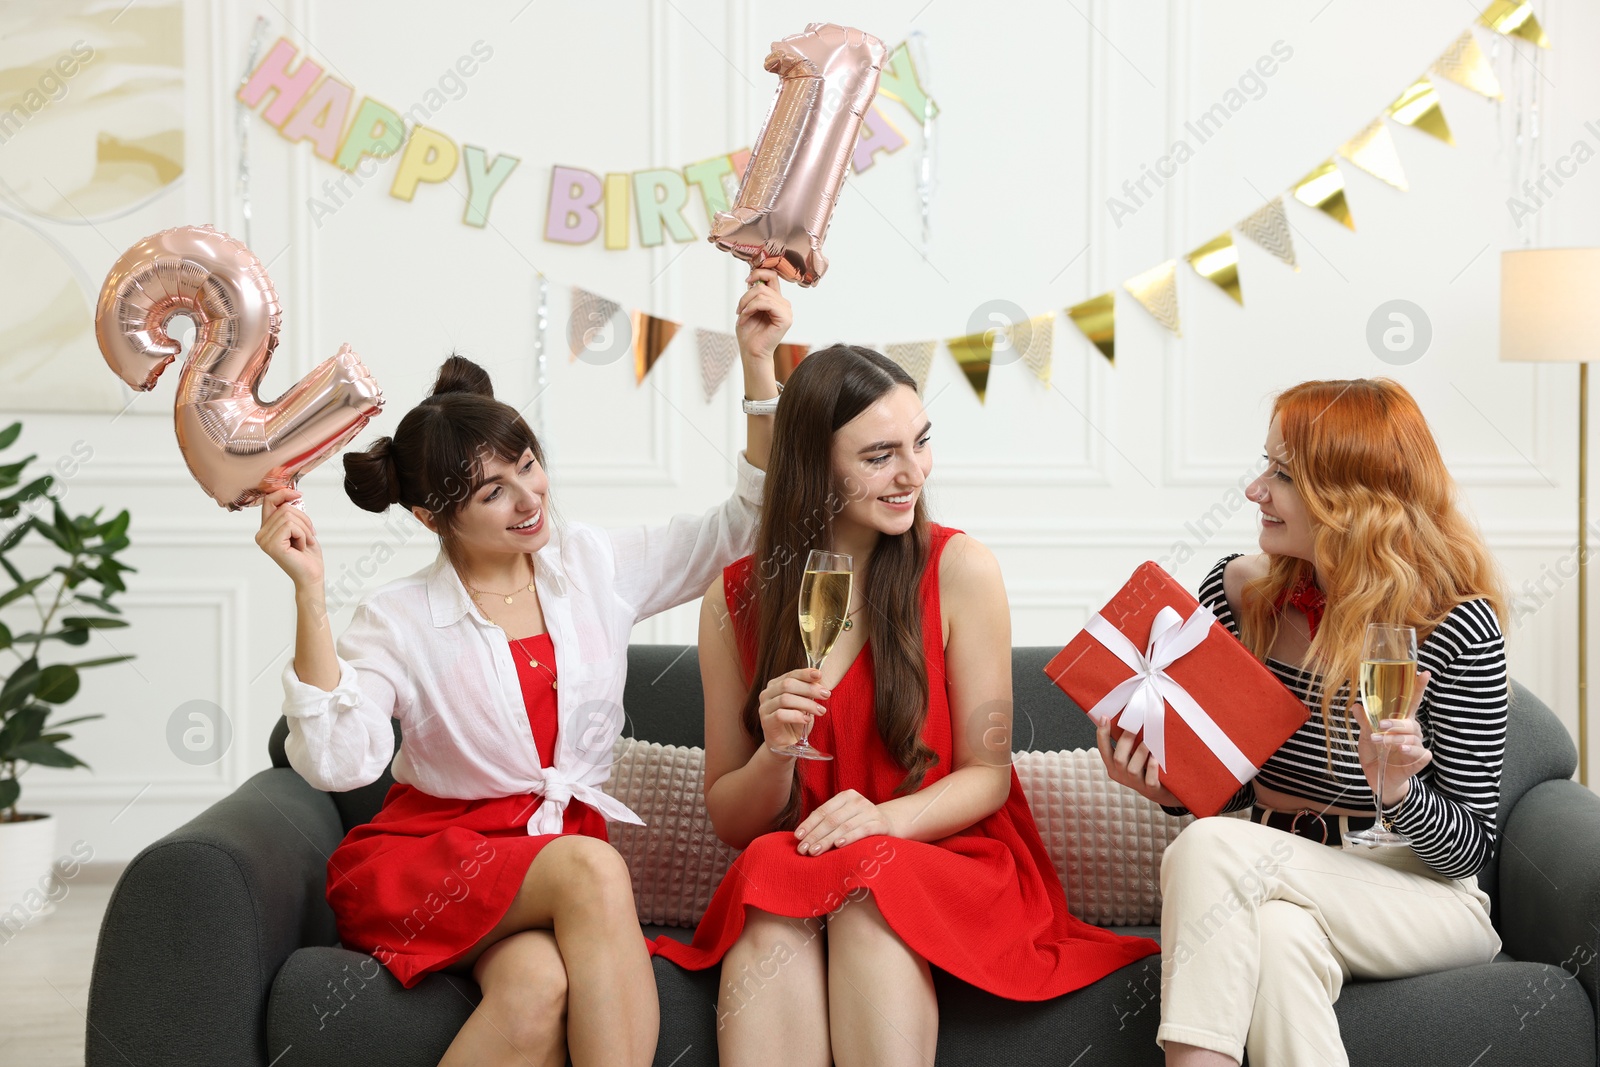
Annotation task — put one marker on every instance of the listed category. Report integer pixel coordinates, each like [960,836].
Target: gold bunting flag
[1373,151]
[1033,339]
[1217,261]
[786,358]
[1465,64]
[974,353]
[1323,189]
[717,351]
[1096,317]
[651,336]
[1514,19]
[915,358]
[1157,290]
[1269,228]
[1418,107]
[589,313]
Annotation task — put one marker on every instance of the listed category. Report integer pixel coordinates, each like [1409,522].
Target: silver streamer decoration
[927,179]
[541,380]
[241,122]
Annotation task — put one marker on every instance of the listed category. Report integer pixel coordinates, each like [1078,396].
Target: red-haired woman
[1360,524]
[914,846]
[504,662]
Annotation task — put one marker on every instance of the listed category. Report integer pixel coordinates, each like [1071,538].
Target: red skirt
[427,878]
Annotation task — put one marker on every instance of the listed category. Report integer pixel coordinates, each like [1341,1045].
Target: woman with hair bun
[504,662]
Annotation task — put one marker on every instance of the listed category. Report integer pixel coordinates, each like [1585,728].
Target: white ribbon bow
[1140,702]
[559,789]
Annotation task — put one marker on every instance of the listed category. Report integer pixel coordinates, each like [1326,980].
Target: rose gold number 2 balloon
[238,448]
[830,75]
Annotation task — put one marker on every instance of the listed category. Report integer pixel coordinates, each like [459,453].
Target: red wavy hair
[1389,539]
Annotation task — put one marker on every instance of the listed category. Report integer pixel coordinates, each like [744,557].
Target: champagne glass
[1388,680]
[824,610]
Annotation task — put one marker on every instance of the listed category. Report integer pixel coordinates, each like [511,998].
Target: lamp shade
[1550,305]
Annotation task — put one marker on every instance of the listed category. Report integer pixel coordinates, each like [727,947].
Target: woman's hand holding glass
[1398,752]
[788,704]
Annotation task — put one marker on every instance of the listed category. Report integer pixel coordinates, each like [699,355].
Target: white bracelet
[763,407]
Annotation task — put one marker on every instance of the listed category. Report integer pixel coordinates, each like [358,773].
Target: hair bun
[371,480]
[460,375]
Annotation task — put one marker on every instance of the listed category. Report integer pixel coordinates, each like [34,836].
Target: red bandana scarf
[1309,599]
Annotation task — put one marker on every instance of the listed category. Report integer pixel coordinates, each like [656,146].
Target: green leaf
[68,530]
[99,602]
[117,527]
[9,790]
[20,686]
[55,738]
[13,503]
[101,662]
[78,638]
[22,590]
[74,721]
[45,754]
[55,536]
[10,472]
[16,575]
[5,636]
[8,437]
[58,683]
[24,725]
[86,622]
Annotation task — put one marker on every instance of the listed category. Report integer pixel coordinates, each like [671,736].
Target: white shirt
[419,650]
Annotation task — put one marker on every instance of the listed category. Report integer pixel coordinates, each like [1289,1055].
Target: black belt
[1327,829]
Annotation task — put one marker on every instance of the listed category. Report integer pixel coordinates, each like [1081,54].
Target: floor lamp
[1550,312]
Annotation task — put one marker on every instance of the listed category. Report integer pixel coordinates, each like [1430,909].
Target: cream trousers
[1260,929]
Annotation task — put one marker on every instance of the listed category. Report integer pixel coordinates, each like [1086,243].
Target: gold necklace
[848,621]
[506,596]
[534,663]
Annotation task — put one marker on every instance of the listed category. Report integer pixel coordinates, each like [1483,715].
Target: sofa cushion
[1105,840]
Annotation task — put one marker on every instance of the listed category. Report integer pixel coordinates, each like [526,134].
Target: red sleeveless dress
[422,882]
[984,904]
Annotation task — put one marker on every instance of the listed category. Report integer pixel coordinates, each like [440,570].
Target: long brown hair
[1388,537]
[802,497]
[435,460]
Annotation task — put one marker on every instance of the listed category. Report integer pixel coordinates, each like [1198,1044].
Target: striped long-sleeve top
[1449,811]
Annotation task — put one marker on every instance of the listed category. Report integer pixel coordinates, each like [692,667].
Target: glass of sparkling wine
[824,614]
[1388,680]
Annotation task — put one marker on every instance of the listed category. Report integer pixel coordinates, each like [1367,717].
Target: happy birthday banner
[582,204]
[307,105]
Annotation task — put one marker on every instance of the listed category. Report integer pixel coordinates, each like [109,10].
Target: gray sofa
[218,946]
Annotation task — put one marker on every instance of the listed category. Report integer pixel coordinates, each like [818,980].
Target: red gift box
[1155,662]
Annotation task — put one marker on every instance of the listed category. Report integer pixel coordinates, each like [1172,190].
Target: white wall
[1046,112]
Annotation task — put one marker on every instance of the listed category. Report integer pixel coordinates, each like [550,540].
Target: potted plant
[31,689]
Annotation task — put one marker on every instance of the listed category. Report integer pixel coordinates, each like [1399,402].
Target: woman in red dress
[914,846]
[504,662]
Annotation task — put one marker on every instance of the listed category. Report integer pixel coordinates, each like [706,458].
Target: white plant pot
[27,879]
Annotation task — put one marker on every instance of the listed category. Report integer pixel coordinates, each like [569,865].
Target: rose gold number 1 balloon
[238,448]
[830,75]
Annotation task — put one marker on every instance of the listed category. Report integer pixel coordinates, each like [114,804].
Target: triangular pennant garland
[1514,19]
[915,357]
[1096,317]
[1033,339]
[974,353]
[1418,107]
[589,313]
[1373,151]
[651,336]
[1323,189]
[1157,290]
[1465,64]
[717,351]
[1217,261]
[1269,228]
